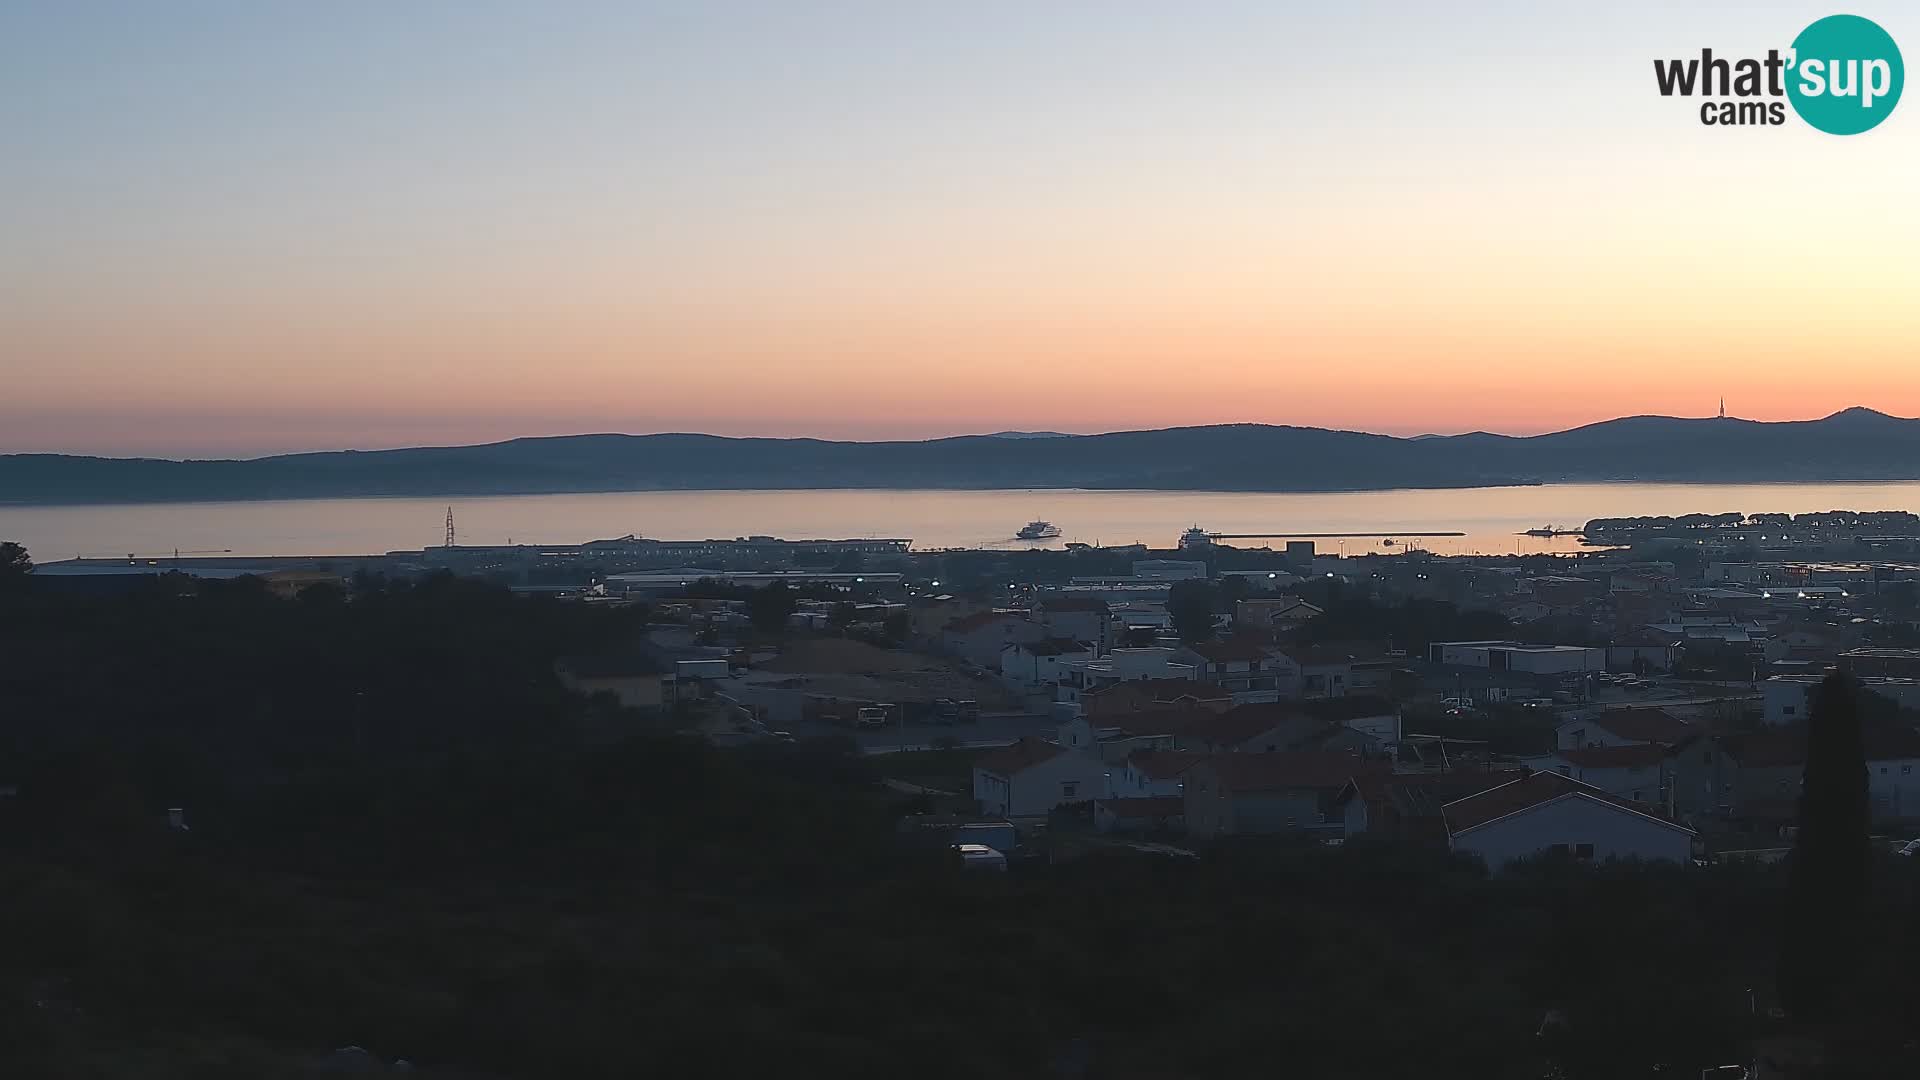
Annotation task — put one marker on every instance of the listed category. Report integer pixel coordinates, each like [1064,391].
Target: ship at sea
[1038,530]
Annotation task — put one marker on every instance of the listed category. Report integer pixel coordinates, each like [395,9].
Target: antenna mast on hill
[1723,408]
[449,526]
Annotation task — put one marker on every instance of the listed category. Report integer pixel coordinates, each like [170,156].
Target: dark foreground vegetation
[404,836]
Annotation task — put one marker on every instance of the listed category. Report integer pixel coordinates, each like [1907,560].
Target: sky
[242,227]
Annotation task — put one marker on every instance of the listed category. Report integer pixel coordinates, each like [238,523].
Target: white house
[1321,673]
[1785,699]
[980,637]
[1084,675]
[1644,650]
[1376,717]
[1623,727]
[1545,812]
[1893,775]
[1076,618]
[1150,773]
[1250,669]
[1033,776]
[1514,656]
[1038,663]
[1274,613]
[1634,771]
[1114,738]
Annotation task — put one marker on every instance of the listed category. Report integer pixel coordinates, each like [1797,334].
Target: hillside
[1855,444]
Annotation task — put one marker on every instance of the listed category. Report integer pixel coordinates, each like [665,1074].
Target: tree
[840,616]
[1190,603]
[1827,889]
[1901,597]
[1233,589]
[14,566]
[770,607]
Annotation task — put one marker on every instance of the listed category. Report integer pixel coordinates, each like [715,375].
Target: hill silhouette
[1853,444]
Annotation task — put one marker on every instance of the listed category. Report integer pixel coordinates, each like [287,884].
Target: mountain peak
[1858,412]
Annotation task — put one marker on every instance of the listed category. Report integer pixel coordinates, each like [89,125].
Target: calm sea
[1491,518]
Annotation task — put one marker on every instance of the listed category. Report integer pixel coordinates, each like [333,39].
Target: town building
[1406,807]
[1248,667]
[981,637]
[1077,618]
[1546,813]
[1258,794]
[1031,777]
[1516,657]
[1635,771]
[1274,614]
[1085,677]
[1149,773]
[1377,718]
[1170,570]
[1038,664]
[1644,649]
[1786,699]
[1624,727]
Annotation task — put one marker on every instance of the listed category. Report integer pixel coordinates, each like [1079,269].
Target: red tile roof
[1534,789]
[1768,749]
[1163,764]
[1350,707]
[1318,656]
[1447,786]
[1632,756]
[1158,806]
[1286,770]
[1147,693]
[1019,757]
[1244,722]
[1050,646]
[1233,650]
[1154,719]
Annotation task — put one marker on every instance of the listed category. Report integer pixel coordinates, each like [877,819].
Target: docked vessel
[1039,530]
[1195,538]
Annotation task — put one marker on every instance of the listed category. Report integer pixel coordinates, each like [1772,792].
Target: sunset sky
[242,227]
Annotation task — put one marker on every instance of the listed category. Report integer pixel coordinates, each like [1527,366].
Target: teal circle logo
[1845,75]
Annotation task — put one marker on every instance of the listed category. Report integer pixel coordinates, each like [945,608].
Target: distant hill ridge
[1853,444]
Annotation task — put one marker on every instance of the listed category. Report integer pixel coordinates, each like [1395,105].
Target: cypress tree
[1827,887]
